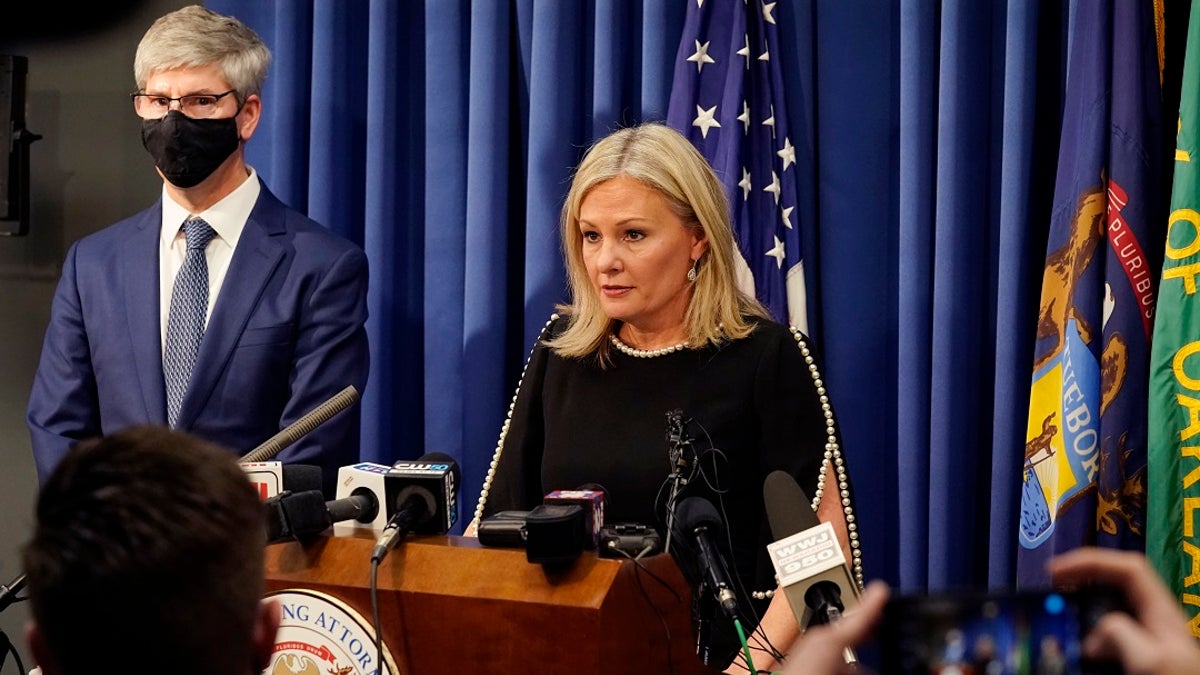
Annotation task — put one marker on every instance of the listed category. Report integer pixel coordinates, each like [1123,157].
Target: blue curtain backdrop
[441,136]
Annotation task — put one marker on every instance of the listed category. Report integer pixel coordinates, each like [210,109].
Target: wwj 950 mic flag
[728,99]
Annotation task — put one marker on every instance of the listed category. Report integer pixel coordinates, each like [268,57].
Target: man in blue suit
[219,310]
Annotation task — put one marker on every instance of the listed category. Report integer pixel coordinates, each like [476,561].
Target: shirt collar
[227,217]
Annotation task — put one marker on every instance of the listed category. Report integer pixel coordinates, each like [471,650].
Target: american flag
[727,98]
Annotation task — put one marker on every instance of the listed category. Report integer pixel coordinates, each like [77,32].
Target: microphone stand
[826,612]
[706,608]
[681,458]
[834,613]
[8,596]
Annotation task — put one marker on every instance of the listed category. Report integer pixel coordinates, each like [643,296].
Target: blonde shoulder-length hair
[666,161]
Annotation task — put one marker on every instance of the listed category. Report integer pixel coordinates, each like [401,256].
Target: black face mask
[188,150]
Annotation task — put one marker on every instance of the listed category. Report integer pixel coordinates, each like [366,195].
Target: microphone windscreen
[694,512]
[290,515]
[306,512]
[787,506]
[301,477]
[555,534]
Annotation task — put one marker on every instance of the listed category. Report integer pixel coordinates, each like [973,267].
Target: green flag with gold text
[1173,452]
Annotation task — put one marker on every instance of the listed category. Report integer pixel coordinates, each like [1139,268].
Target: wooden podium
[449,605]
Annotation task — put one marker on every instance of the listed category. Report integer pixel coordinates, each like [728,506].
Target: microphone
[423,493]
[698,519]
[303,426]
[272,478]
[807,556]
[293,515]
[504,528]
[8,593]
[356,478]
[590,497]
[555,532]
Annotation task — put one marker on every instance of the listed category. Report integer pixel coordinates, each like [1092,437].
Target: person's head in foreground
[148,548]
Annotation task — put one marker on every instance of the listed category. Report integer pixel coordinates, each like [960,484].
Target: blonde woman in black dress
[656,324]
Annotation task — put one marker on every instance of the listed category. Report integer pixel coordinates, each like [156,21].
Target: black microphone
[423,493]
[698,519]
[303,426]
[8,593]
[807,556]
[301,477]
[293,515]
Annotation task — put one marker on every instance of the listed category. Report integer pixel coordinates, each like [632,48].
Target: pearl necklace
[644,353]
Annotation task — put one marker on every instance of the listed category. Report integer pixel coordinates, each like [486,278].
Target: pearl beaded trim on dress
[833,450]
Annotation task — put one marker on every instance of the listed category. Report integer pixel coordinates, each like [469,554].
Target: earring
[691,275]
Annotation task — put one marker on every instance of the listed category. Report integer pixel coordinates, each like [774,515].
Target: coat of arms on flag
[1083,478]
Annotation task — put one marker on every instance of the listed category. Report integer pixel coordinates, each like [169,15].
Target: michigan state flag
[1173,541]
[727,97]
[1084,477]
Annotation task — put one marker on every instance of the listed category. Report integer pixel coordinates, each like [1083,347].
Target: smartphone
[1005,633]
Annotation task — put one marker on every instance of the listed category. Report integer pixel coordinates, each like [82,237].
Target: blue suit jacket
[286,333]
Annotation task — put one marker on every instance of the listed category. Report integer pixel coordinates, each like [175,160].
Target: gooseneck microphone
[423,493]
[698,519]
[303,426]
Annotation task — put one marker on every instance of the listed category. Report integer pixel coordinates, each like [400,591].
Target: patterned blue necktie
[185,320]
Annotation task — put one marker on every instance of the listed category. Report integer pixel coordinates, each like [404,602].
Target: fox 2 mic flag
[1084,469]
[727,98]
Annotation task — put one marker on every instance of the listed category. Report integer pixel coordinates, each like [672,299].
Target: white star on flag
[787,216]
[773,188]
[705,120]
[777,253]
[787,154]
[745,184]
[745,51]
[768,7]
[701,56]
[744,118]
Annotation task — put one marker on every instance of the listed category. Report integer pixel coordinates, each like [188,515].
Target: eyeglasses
[154,106]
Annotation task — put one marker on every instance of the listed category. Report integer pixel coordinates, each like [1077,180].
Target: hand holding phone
[1153,637]
[998,633]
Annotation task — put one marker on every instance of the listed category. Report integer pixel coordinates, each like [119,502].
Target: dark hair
[148,542]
